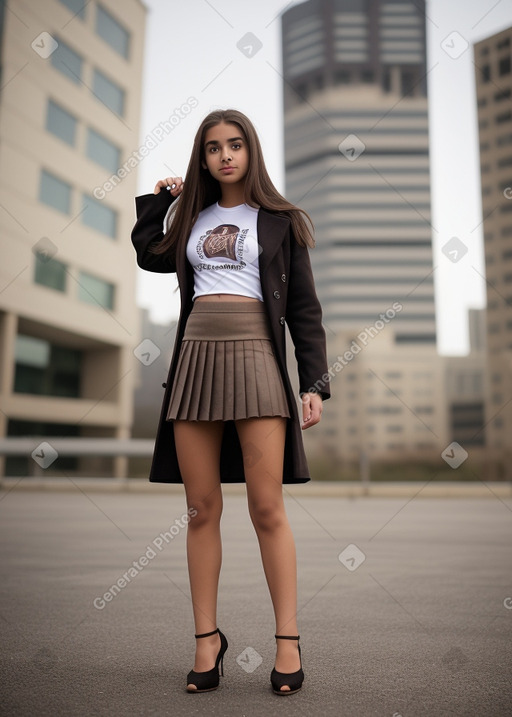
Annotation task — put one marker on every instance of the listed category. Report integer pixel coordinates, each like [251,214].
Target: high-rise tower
[357,158]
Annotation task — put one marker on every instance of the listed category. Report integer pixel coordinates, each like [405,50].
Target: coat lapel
[271,233]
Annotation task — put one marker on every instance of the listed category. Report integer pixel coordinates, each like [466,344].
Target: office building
[69,133]
[465,391]
[388,406]
[402,403]
[357,158]
[493,61]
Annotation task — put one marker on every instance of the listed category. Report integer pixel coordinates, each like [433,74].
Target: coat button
[277,295]
[281,320]
[283,277]
[164,385]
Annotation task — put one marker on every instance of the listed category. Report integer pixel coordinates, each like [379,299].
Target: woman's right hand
[168,182]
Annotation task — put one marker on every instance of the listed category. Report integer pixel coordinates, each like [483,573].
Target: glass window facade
[61,123]
[95,291]
[97,216]
[110,94]
[504,66]
[54,192]
[50,272]
[110,30]
[67,61]
[102,151]
[77,7]
[46,369]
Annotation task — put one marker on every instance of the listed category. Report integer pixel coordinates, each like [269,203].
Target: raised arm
[151,210]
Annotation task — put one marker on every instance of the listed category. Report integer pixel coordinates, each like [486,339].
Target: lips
[227,170]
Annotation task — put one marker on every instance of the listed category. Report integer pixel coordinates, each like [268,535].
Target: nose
[226,156]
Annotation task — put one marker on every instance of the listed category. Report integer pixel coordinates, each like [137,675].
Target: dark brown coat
[290,297]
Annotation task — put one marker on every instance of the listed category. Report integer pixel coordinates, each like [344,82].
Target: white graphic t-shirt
[224,252]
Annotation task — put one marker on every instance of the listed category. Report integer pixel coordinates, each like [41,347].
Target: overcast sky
[191,52]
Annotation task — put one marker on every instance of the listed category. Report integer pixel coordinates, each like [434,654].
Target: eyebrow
[214,141]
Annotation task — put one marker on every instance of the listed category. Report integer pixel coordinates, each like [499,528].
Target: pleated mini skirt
[226,367]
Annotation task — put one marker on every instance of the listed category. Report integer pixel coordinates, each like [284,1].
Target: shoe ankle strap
[207,634]
[287,637]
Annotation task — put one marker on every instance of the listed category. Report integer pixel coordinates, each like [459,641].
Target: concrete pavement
[405,605]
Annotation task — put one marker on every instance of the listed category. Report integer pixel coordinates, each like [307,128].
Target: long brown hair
[200,189]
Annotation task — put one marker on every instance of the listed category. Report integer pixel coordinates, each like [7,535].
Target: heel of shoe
[222,651]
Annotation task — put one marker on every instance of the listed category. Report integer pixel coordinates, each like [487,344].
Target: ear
[204,165]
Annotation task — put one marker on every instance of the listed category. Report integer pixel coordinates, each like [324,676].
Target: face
[226,153]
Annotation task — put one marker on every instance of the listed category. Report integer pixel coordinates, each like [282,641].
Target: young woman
[240,251]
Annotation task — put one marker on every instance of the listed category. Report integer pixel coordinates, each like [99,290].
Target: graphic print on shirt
[221,241]
[228,241]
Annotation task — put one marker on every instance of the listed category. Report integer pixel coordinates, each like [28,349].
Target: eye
[236,145]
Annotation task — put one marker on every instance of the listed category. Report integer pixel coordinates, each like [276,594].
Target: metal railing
[44,451]
[79,446]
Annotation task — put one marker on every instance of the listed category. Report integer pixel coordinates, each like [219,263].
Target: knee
[267,515]
[205,511]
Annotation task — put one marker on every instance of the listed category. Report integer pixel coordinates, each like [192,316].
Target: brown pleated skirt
[226,367]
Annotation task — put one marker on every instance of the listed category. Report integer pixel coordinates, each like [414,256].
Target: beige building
[402,404]
[69,135]
[493,63]
[389,400]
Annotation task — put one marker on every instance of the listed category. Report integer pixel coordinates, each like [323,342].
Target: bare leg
[262,441]
[198,446]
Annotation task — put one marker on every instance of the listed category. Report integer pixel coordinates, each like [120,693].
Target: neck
[232,195]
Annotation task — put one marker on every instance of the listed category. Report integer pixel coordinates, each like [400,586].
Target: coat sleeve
[304,319]
[151,210]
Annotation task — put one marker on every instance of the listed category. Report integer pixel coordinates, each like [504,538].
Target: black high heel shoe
[209,680]
[292,679]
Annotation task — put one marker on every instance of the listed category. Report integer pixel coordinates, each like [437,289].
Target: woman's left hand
[311,409]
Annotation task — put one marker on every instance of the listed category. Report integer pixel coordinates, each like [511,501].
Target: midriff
[226,297]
